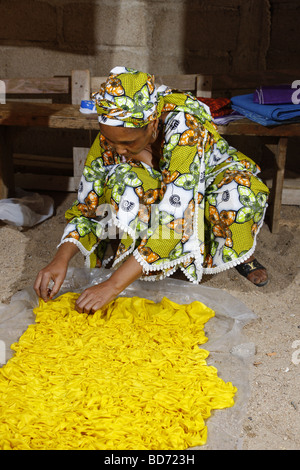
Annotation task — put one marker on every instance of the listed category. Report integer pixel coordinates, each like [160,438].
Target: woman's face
[128,142]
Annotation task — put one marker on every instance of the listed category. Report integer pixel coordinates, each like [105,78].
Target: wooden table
[66,116]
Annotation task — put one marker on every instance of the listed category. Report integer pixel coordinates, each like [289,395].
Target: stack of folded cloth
[221,110]
[269,105]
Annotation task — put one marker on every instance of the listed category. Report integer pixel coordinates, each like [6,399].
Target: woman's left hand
[96,297]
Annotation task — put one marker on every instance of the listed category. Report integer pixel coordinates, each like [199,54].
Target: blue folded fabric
[266,114]
[88,107]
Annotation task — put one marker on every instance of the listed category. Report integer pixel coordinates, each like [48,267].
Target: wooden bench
[68,116]
[48,91]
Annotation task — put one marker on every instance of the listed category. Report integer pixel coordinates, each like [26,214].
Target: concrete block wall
[46,37]
[52,37]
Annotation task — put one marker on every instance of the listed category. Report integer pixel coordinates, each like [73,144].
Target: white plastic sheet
[229,351]
[26,209]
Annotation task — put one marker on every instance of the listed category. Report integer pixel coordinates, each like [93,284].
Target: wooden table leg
[6,163]
[277,187]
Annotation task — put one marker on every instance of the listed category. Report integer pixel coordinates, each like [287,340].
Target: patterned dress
[200,212]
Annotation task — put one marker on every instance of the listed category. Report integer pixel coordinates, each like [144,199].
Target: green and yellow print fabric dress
[200,212]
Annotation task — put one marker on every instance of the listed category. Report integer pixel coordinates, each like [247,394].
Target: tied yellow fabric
[129,377]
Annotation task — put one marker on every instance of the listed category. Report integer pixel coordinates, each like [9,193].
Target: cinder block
[160,63]
[35,61]
[27,20]
[211,29]
[208,63]
[194,27]
[125,24]
[168,32]
[40,62]
[284,48]
[120,24]
[78,25]
[109,58]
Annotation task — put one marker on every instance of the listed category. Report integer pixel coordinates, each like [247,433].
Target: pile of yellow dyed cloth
[131,376]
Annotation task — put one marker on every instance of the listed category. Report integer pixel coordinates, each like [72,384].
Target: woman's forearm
[127,273]
[66,251]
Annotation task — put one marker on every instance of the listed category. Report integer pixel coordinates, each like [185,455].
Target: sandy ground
[272,419]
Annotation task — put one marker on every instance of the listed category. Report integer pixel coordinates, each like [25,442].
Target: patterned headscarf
[128,98]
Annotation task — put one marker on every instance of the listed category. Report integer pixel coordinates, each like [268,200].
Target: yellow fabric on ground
[128,377]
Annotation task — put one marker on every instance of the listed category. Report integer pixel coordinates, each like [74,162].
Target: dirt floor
[272,420]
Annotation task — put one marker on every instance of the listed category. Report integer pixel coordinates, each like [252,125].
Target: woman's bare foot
[253,271]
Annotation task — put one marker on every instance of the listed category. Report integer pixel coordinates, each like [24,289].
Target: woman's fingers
[45,287]
[41,285]
[96,297]
[92,299]
[37,285]
[56,286]
[81,303]
[55,274]
[88,303]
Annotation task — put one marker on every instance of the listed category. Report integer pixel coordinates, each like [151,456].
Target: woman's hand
[95,297]
[55,271]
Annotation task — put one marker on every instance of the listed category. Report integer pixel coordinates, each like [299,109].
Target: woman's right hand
[55,271]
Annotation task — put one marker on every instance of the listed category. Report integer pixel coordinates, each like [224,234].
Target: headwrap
[128,98]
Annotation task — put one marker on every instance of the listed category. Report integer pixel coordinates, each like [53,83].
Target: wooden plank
[290,191]
[290,197]
[292,183]
[79,158]
[58,116]
[204,86]
[29,157]
[47,182]
[6,165]
[42,161]
[80,86]
[277,186]
[66,116]
[32,86]
[247,127]
[43,164]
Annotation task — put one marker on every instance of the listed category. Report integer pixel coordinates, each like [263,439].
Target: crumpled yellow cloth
[129,377]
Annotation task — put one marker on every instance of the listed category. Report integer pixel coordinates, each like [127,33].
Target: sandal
[249,267]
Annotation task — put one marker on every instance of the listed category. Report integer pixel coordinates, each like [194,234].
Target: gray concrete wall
[52,37]
[46,37]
